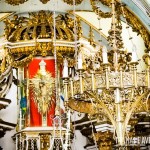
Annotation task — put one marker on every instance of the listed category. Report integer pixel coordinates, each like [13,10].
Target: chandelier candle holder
[115,88]
[65,81]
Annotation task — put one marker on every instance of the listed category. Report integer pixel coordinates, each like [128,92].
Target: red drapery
[35,116]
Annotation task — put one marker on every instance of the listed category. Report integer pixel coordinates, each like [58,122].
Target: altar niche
[41,74]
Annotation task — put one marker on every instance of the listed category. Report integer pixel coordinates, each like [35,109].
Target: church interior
[74,74]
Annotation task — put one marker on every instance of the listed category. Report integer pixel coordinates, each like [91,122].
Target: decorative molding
[18,2]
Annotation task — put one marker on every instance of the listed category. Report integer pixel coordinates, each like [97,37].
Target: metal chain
[75,31]
[55,57]
[129,34]
[99,23]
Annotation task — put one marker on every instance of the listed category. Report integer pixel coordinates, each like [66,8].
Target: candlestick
[117,95]
[65,69]
[134,56]
[80,61]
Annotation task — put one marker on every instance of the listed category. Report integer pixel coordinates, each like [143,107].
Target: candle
[134,56]
[117,95]
[80,61]
[65,69]
[104,55]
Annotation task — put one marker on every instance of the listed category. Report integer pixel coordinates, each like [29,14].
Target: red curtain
[35,116]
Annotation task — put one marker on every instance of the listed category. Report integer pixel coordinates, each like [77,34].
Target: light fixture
[115,86]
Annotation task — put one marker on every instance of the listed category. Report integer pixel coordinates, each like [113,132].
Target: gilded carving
[45,141]
[37,26]
[137,26]
[34,35]
[15,2]
[99,12]
[43,88]
[18,2]
[71,2]
[104,139]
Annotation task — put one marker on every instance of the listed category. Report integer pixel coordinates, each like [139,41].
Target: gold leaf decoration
[15,2]
[70,2]
[39,25]
[43,90]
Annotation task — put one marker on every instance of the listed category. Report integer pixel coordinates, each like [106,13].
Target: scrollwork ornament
[23,62]
[99,12]
[137,26]
[23,28]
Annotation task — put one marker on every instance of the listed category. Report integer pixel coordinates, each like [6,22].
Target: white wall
[79,141]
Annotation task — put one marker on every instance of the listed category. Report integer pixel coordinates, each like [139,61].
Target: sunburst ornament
[43,88]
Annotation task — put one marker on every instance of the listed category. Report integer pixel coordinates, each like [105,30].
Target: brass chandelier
[110,81]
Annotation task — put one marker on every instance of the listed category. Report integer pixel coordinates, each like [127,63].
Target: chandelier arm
[147,109]
[92,95]
[133,106]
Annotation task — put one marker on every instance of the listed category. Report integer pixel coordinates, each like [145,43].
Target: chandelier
[110,81]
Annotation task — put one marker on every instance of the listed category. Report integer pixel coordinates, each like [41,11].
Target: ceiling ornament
[138,27]
[15,2]
[133,21]
[99,12]
[106,2]
[71,2]
[18,2]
